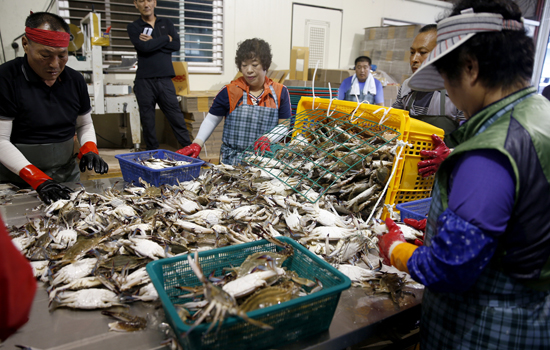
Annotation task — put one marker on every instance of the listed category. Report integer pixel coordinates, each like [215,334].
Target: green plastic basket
[291,320]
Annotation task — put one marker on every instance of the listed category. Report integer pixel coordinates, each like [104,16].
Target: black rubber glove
[91,161]
[50,191]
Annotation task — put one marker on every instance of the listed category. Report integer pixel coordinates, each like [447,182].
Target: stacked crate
[389,49]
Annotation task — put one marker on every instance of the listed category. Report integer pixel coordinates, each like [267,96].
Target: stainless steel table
[357,317]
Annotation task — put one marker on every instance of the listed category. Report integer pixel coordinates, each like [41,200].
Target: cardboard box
[392,32]
[335,76]
[299,63]
[198,101]
[181,80]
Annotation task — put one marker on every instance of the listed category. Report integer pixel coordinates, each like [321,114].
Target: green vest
[518,126]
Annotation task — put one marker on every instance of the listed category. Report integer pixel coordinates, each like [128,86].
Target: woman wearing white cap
[486,261]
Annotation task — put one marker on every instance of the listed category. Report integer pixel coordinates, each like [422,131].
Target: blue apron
[244,126]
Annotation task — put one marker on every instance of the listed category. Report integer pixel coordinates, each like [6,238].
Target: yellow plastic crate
[406,185]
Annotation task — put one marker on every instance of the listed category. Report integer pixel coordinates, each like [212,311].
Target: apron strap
[442,96]
[411,100]
[245,98]
[274,96]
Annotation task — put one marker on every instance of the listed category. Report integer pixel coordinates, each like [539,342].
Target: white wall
[270,20]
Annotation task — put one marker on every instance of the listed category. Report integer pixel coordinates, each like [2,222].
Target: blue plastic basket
[417,210]
[291,320]
[132,170]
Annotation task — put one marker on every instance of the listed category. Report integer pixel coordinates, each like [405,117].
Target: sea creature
[220,302]
[126,322]
[93,298]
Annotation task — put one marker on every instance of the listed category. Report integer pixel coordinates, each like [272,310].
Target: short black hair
[35,20]
[428,28]
[254,49]
[363,59]
[505,58]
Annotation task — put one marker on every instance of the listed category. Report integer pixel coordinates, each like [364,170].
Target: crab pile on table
[91,250]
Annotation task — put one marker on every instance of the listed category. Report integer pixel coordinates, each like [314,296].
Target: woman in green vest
[486,258]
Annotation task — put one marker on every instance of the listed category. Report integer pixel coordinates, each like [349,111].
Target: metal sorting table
[358,315]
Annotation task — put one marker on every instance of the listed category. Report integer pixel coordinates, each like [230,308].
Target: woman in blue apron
[485,259]
[251,105]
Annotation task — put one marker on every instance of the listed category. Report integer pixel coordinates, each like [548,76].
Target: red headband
[48,37]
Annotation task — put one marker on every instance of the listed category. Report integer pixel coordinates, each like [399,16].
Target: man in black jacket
[155,39]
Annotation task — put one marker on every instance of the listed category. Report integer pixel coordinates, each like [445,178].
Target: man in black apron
[433,107]
[42,105]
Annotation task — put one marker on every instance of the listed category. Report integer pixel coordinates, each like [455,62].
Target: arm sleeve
[175,44]
[285,111]
[220,105]
[10,156]
[481,199]
[17,286]
[344,87]
[379,97]
[146,46]
[85,130]
[207,127]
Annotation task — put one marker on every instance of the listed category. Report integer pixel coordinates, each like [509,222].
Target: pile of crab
[91,250]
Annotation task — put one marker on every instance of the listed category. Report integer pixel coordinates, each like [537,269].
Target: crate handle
[401,144]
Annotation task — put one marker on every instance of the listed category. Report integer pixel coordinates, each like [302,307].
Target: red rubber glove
[193,150]
[33,176]
[419,225]
[440,152]
[387,240]
[263,143]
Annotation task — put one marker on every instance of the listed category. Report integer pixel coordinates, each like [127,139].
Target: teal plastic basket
[291,320]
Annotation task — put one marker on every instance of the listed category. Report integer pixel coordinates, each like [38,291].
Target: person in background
[42,105]
[485,259]
[433,107]
[252,106]
[546,92]
[155,39]
[362,86]
[17,286]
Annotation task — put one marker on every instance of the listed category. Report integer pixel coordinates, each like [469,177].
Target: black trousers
[161,91]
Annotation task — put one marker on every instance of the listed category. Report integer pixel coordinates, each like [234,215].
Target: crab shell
[92,298]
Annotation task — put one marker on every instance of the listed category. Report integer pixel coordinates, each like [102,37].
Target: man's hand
[193,150]
[386,241]
[440,152]
[91,161]
[145,37]
[89,158]
[50,191]
[170,38]
[263,143]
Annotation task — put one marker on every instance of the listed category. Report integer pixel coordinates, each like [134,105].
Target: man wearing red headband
[42,105]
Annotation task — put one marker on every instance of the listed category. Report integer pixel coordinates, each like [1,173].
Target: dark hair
[35,20]
[428,28]
[363,59]
[504,58]
[254,49]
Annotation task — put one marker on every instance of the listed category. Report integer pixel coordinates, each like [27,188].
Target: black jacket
[155,55]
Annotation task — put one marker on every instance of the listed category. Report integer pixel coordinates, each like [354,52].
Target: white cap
[451,33]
